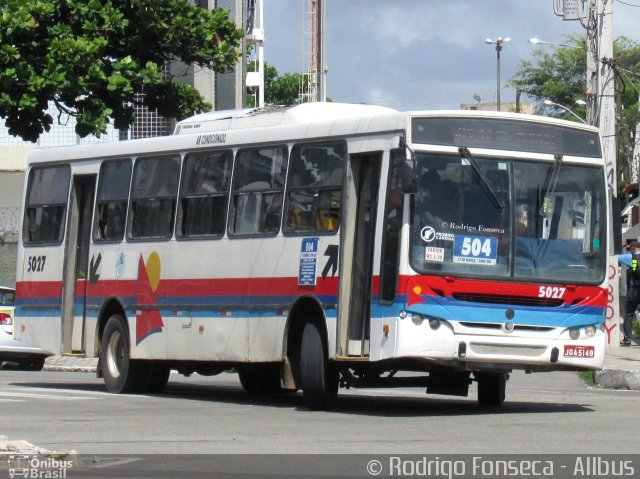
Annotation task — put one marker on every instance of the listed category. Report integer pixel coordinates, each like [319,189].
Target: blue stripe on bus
[564,316]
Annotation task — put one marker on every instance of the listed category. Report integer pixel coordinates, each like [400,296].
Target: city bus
[321,246]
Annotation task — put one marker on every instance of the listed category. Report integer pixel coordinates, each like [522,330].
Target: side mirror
[409,178]
[616,224]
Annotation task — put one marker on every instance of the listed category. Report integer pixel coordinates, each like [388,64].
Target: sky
[424,54]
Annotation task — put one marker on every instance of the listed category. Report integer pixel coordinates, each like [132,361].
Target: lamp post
[498,43]
[579,102]
[537,41]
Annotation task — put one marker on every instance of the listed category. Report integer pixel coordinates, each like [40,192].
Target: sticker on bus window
[308,261]
[481,250]
[434,255]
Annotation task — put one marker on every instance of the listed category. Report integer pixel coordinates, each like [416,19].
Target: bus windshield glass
[527,220]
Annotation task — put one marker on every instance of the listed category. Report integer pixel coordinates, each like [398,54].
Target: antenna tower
[312,84]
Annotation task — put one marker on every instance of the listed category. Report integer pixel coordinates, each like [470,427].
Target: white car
[7,309]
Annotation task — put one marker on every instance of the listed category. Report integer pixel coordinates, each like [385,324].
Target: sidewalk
[621,367]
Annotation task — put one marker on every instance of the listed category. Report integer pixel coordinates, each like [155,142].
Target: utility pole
[255,36]
[601,112]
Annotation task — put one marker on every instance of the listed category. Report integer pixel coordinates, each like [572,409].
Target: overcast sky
[423,54]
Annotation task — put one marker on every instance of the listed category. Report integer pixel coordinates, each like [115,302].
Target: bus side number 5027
[555,292]
[35,264]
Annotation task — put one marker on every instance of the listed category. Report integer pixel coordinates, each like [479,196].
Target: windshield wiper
[547,190]
[549,185]
[482,178]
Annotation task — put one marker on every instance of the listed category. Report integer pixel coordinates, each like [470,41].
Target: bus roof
[273,124]
[277,115]
[240,127]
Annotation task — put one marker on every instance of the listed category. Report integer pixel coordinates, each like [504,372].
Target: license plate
[573,351]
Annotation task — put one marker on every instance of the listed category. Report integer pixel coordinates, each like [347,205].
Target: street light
[498,43]
[537,41]
[579,102]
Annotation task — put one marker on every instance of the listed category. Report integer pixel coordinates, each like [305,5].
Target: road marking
[63,394]
[58,390]
[27,395]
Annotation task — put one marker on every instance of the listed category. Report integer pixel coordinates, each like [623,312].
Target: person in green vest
[632,261]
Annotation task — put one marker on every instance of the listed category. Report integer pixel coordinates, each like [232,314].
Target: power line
[628,4]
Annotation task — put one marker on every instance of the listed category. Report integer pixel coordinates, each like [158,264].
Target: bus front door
[76,264]
[357,247]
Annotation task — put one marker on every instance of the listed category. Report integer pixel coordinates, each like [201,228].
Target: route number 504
[555,292]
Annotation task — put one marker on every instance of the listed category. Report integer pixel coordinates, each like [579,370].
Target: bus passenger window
[202,210]
[314,189]
[111,206]
[258,188]
[45,208]
[153,197]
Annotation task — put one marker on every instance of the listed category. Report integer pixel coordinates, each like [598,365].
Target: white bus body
[289,244]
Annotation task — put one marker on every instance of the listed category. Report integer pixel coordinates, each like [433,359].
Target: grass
[588,377]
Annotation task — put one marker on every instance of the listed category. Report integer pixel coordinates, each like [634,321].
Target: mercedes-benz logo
[428,234]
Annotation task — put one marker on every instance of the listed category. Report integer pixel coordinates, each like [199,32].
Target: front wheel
[319,380]
[121,374]
[491,388]
[31,364]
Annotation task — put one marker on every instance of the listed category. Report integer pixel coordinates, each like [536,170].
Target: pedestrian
[632,260]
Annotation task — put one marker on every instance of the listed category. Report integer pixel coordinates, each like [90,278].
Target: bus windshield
[500,218]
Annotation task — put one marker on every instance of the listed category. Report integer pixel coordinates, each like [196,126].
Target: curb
[66,364]
[618,379]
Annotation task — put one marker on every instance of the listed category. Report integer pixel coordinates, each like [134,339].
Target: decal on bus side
[35,264]
[211,139]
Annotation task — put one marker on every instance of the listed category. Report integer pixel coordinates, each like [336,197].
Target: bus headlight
[417,319]
[590,330]
[574,333]
[434,323]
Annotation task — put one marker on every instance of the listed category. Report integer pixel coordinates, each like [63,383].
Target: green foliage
[555,74]
[559,75]
[588,377]
[278,89]
[94,57]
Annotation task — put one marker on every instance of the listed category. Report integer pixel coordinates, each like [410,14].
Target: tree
[93,58]
[560,75]
[278,89]
[556,74]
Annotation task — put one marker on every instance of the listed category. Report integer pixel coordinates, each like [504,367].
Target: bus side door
[357,238]
[76,270]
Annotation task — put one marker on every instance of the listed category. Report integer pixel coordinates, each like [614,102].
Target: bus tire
[319,381]
[157,377]
[491,388]
[121,374]
[31,364]
[260,378]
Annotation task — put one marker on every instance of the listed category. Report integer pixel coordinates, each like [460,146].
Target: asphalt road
[544,413]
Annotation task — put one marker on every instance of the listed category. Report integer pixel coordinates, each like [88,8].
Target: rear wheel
[491,388]
[260,378]
[121,374]
[157,377]
[319,380]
